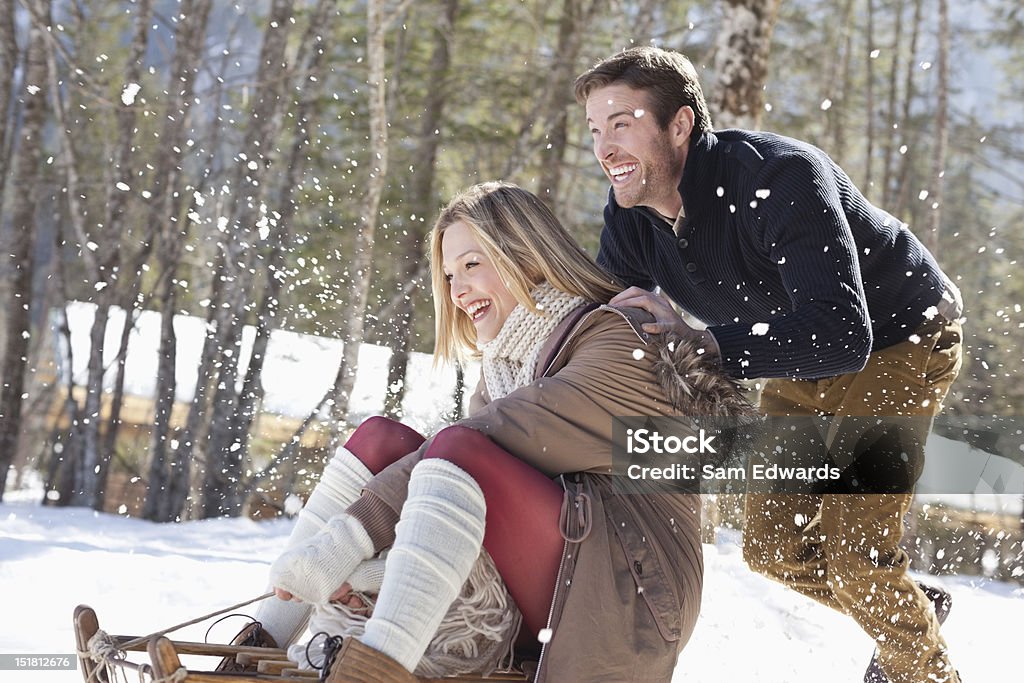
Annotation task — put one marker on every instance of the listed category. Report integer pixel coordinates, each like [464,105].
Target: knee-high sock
[339,486]
[436,543]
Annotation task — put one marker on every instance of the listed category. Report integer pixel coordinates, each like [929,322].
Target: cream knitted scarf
[510,359]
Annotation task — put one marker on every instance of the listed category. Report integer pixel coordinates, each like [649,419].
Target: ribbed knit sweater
[794,272]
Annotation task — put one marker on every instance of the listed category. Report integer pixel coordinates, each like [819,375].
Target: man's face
[643,162]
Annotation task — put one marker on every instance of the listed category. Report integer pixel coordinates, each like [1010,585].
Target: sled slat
[86,625]
[273,666]
[248,659]
[185,647]
[163,657]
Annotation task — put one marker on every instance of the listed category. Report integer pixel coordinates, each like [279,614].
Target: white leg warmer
[437,541]
[340,484]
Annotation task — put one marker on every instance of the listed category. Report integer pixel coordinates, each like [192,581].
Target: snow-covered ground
[142,577]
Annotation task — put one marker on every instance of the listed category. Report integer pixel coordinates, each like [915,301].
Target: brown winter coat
[629,590]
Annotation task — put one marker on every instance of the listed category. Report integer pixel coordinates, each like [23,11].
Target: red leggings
[523,505]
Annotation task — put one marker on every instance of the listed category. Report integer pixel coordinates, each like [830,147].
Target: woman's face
[475,286]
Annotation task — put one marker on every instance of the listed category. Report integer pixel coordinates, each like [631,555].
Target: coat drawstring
[575,527]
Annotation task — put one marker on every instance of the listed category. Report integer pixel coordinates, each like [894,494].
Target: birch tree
[741,63]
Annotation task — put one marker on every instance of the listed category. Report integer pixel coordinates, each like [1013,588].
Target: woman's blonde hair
[527,245]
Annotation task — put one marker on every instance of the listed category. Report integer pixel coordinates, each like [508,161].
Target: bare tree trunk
[157,508]
[125,291]
[60,476]
[60,473]
[891,121]
[459,393]
[421,204]
[168,476]
[23,230]
[869,100]
[941,131]
[222,491]
[838,108]
[310,68]
[109,446]
[84,435]
[577,16]
[362,257]
[192,447]
[88,466]
[741,62]
[94,465]
[8,65]
[902,190]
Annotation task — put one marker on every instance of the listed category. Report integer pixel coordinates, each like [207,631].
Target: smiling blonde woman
[608,586]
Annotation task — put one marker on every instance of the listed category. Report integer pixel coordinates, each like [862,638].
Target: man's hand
[665,318]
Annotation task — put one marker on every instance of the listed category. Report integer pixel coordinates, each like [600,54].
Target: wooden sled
[272,664]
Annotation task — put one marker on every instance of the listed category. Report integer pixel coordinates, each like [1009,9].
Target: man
[800,280]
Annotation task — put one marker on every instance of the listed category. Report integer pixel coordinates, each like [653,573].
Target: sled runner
[103,659]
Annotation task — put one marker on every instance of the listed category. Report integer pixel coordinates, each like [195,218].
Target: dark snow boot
[252,635]
[942,601]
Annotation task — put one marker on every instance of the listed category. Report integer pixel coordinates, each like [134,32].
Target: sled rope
[103,649]
[143,639]
[108,654]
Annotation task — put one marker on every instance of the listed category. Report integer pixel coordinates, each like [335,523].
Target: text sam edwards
[759,471]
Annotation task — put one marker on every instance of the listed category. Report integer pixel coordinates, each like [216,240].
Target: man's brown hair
[668,77]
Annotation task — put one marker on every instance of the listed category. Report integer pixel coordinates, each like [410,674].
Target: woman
[609,583]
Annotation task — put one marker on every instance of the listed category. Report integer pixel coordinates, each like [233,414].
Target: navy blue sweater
[794,272]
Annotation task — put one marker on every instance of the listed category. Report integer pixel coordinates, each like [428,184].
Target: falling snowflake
[129,93]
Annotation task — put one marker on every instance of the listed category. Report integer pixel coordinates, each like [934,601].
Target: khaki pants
[843,549]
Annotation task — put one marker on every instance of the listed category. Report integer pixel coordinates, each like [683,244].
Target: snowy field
[142,577]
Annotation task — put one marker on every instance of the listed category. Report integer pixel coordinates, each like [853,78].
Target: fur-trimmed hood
[695,385]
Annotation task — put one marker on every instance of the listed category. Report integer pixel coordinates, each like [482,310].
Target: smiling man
[801,280]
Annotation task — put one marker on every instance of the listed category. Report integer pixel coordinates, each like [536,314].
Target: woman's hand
[344,595]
